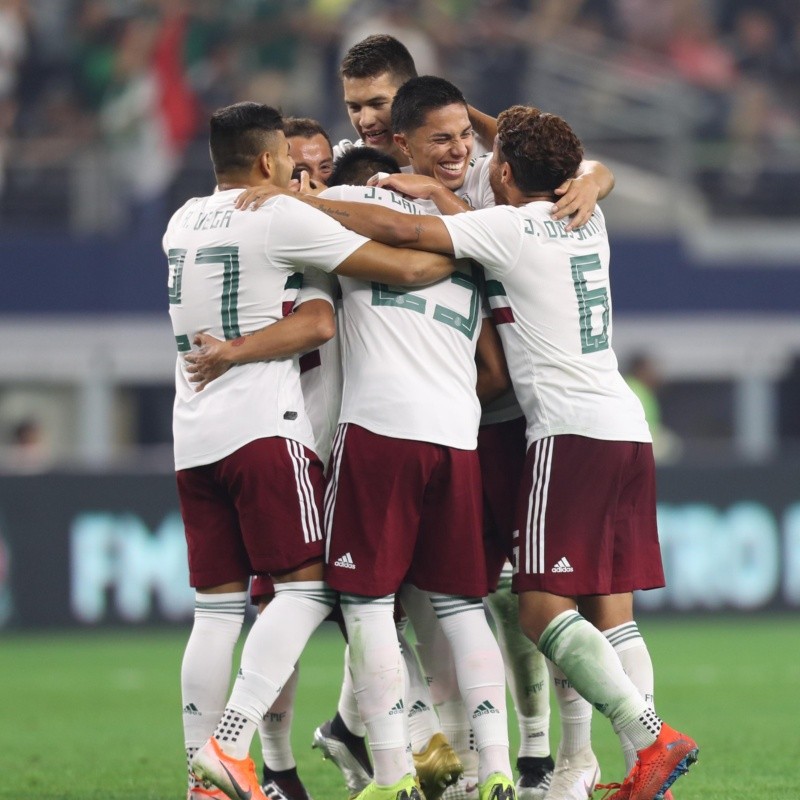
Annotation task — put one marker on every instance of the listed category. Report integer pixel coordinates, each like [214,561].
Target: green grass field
[87,716]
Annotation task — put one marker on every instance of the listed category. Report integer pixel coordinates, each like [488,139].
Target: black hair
[240,133]
[416,97]
[358,165]
[378,54]
[305,127]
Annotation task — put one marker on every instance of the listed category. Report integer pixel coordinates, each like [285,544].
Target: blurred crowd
[141,76]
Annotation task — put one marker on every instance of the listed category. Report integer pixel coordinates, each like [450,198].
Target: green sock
[585,656]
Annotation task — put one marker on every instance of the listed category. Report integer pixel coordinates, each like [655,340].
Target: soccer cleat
[350,756]
[283,785]
[535,775]
[235,776]
[575,776]
[437,767]
[497,787]
[465,788]
[405,789]
[275,790]
[657,768]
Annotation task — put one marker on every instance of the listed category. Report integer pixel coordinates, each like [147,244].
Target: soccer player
[372,71]
[249,483]
[404,499]
[310,148]
[586,516]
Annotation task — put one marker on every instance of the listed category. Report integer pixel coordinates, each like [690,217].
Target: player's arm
[485,127]
[396,228]
[374,261]
[309,326]
[417,231]
[579,195]
[423,187]
[493,377]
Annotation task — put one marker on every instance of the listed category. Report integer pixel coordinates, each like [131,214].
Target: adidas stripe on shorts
[586,518]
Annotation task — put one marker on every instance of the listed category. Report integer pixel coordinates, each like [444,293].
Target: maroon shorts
[261,588]
[501,451]
[400,511]
[254,511]
[587,518]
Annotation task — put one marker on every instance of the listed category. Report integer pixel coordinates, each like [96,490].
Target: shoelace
[618,788]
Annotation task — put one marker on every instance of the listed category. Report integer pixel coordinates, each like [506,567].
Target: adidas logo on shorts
[345,561]
[563,566]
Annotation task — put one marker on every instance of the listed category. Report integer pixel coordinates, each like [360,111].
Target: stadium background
[695,106]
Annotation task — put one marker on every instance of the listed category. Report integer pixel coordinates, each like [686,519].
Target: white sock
[481,678]
[378,674]
[347,707]
[422,720]
[526,673]
[575,713]
[275,729]
[270,652]
[455,726]
[593,668]
[629,645]
[207,664]
[436,658]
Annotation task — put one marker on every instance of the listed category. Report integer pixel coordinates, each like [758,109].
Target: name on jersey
[206,221]
[405,205]
[556,230]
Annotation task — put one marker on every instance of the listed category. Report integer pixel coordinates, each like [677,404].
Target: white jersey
[409,355]
[549,292]
[230,274]
[321,369]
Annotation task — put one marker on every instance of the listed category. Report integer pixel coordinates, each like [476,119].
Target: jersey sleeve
[301,236]
[317,286]
[490,236]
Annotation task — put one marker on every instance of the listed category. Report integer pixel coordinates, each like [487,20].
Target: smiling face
[312,154]
[442,146]
[369,106]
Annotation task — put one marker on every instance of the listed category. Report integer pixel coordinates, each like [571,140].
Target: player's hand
[207,361]
[307,186]
[255,196]
[418,187]
[578,198]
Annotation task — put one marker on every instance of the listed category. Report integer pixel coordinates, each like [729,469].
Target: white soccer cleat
[574,777]
[465,788]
